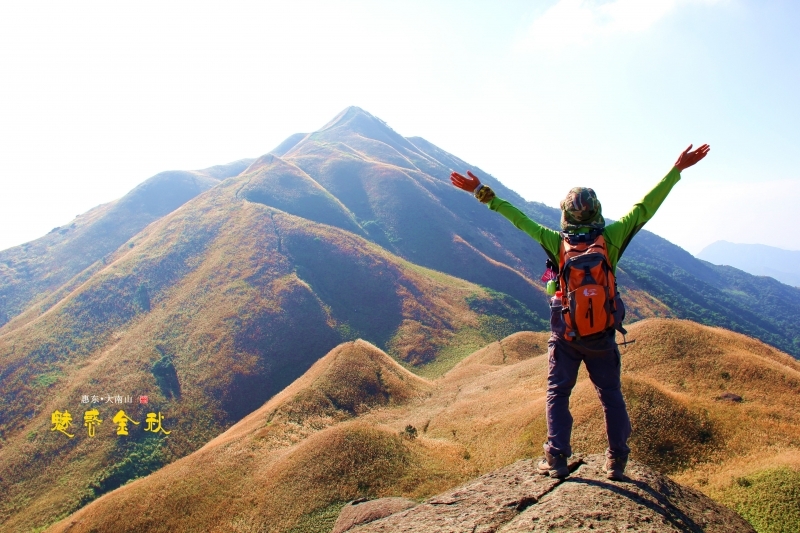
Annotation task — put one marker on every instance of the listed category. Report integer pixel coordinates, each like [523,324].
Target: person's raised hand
[468,184]
[687,158]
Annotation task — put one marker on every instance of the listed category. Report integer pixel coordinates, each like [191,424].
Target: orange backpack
[590,299]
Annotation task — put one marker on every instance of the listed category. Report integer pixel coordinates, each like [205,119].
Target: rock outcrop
[363,511]
[517,499]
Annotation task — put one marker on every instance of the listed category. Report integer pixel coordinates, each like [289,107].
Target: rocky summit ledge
[517,499]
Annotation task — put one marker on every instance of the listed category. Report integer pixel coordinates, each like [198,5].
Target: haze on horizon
[545,96]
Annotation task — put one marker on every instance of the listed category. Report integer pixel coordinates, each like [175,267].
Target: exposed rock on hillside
[363,511]
[517,499]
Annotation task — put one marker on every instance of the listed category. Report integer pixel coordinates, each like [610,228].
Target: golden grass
[229,306]
[244,297]
[291,463]
[316,457]
[234,301]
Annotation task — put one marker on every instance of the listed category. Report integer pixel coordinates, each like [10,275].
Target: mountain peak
[354,117]
[346,115]
[355,121]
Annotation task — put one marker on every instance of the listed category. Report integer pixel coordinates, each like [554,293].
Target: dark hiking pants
[604,370]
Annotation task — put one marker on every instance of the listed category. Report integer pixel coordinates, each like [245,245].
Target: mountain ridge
[214,309]
[29,271]
[756,259]
[400,198]
[688,288]
[217,306]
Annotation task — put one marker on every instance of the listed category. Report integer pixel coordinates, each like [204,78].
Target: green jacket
[617,234]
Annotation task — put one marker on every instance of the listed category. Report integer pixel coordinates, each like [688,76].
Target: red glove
[467,184]
[687,158]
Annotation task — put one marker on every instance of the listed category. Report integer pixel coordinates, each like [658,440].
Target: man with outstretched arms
[586,252]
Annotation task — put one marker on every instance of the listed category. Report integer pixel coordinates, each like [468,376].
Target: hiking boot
[554,466]
[615,468]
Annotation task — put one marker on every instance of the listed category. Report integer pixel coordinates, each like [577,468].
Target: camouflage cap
[581,209]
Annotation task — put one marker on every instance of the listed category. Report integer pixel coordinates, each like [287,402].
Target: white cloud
[580,22]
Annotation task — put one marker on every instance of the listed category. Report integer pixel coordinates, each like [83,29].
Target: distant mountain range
[211,291]
[756,259]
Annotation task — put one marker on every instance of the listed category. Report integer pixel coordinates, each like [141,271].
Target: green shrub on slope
[769,500]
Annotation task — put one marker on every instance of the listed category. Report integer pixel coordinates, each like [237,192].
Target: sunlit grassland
[488,411]
[228,297]
[220,311]
[32,272]
[466,341]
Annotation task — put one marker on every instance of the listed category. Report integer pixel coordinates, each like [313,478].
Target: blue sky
[96,97]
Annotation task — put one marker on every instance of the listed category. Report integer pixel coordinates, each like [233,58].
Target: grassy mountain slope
[30,272]
[398,191]
[289,465]
[277,183]
[210,311]
[345,383]
[215,307]
[402,198]
[715,295]
[360,175]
